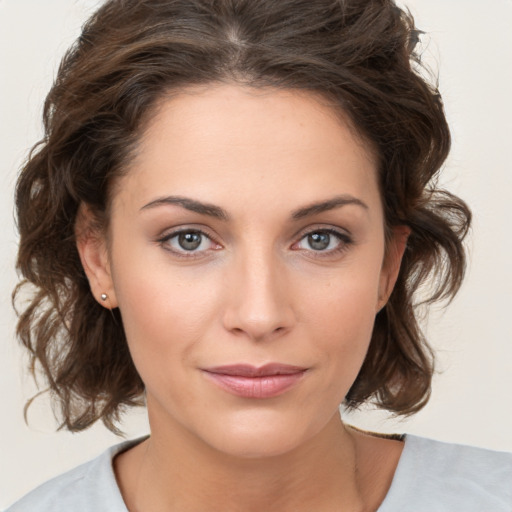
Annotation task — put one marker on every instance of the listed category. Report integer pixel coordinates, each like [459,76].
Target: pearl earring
[104,296]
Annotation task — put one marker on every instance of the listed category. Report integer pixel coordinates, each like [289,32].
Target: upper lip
[247,370]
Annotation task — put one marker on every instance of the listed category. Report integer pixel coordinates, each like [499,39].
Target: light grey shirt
[431,476]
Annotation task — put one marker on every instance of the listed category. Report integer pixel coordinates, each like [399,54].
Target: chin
[258,447]
[260,437]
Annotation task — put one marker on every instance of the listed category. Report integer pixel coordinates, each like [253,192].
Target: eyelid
[174,232]
[324,228]
[344,237]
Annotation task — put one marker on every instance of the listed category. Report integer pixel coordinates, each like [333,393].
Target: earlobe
[391,266]
[92,248]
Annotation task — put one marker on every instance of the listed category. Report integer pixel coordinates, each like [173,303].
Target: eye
[323,241]
[188,242]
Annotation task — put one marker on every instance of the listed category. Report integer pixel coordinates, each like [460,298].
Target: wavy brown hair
[359,55]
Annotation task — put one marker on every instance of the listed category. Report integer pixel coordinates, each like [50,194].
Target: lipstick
[249,381]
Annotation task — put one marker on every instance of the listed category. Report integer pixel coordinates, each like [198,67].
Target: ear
[92,247]
[391,266]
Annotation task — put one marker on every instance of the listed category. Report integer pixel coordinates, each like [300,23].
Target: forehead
[261,143]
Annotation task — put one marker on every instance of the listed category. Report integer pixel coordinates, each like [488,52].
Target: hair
[358,54]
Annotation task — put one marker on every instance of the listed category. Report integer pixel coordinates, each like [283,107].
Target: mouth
[249,381]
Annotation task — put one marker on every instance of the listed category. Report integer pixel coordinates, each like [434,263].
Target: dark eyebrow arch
[190,204]
[218,213]
[329,204]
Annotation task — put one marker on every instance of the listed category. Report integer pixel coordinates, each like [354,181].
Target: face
[246,255]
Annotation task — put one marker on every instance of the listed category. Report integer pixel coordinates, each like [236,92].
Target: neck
[178,472]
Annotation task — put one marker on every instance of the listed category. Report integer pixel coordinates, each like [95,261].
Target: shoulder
[433,475]
[89,487]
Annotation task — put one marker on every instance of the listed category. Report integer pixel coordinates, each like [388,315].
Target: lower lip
[256,387]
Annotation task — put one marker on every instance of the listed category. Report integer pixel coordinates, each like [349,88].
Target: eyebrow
[219,213]
[329,204]
[190,204]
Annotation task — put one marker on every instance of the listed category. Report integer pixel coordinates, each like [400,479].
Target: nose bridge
[259,304]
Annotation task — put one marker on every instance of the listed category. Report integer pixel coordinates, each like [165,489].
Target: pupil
[189,241]
[319,241]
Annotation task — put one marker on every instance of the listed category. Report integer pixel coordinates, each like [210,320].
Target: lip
[249,381]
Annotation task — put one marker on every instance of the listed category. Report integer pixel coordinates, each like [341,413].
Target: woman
[228,218]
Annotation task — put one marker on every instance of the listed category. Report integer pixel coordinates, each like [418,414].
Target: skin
[255,291]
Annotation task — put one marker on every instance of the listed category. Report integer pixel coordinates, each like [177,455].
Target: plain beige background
[470,42]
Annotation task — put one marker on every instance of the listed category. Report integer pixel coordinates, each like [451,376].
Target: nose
[259,304]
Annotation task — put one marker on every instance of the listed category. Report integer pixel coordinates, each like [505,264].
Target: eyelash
[164,241]
[345,241]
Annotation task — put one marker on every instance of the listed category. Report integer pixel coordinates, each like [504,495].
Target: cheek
[165,314]
[345,324]
[344,301]
[341,317]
